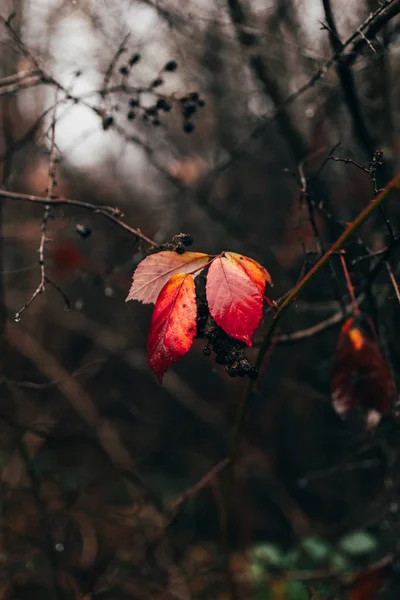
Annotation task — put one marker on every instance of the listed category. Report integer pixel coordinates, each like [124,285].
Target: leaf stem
[206,265]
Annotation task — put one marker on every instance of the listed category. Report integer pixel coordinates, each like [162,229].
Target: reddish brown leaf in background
[173,324]
[154,271]
[366,586]
[361,377]
[66,256]
[253,270]
[234,300]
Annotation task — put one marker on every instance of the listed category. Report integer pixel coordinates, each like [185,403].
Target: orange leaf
[154,271]
[252,268]
[234,299]
[173,324]
[361,377]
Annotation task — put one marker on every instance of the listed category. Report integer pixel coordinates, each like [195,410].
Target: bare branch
[111,213]
[348,84]
[350,50]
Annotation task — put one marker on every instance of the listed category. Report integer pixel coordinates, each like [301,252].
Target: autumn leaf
[154,271]
[361,378]
[66,257]
[253,270]
[366,586]
[173,324]
[234,299]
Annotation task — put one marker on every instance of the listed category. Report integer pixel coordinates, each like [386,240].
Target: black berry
[83,231]
[188,127]
[171,66]
[134,59]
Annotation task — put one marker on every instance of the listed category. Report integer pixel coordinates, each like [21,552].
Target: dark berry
[133,102]
[207,350]
[220,359]
[194,96]
[124,70]
[171,66]
[189,109]
[107,122]
[131,115]
[152,111]
[162,104]
[157,82]
[201,103]
[188,127]
[180,249]
[187,239]
[134,59]
[83,231]
[156,122]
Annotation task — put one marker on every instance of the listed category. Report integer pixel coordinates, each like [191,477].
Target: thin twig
[205,480]
[309,332]
[43,228]
[371,170]
[350,161]
[349,284]
[20,85]
[120,50]
[19,77]
[393,280]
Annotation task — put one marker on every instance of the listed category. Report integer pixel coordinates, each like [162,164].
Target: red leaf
[66,257]
[253,270]
[361,377]
[173,324]
[234,299]
[366,586]
[154,271]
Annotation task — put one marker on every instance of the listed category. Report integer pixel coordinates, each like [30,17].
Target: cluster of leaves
[235,286]
[361,378]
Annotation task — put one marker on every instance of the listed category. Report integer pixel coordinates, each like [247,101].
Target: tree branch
[393,185]
[348,85]
[262,73]
[350,50]
[109,212]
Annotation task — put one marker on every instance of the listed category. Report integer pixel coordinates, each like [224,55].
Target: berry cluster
[190,104]
[163,103]
[179,243]
[228,352]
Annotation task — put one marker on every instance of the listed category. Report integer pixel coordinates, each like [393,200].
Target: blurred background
[221,119]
